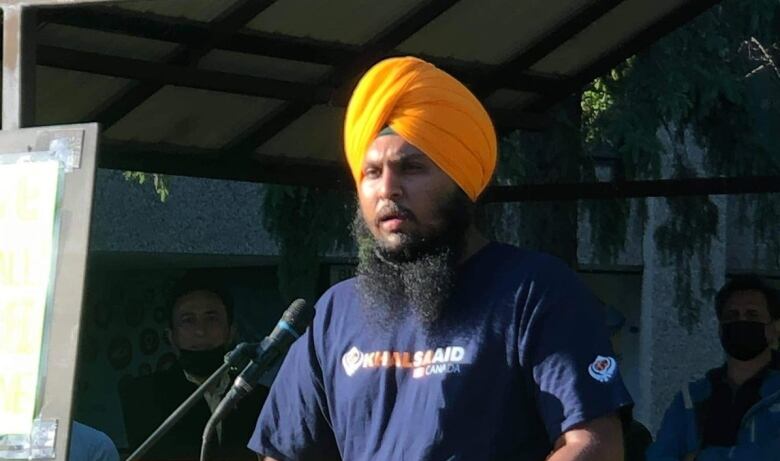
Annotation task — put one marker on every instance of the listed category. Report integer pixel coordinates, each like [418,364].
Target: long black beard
[418,277]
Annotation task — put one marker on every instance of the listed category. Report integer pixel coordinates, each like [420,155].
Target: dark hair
[748,282]
[200,280]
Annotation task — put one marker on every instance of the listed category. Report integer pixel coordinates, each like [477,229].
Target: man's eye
[371,173]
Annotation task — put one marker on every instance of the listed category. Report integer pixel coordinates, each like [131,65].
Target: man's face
[748,305]
[401,193]
[199,322]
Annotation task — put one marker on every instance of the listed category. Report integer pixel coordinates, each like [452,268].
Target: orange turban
[429,109]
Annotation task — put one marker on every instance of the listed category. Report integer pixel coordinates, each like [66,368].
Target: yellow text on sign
[28,199]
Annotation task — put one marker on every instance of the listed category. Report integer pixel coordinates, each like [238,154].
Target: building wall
[206,217]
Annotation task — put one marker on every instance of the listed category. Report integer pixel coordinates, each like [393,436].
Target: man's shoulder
[535,264]
[81,433]
[335,303]
[337,294]
[698,389]
[771,385]
[342,288]
[91,444]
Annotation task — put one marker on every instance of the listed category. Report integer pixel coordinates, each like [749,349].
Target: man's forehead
[199,301]
[393,147]
[747,300]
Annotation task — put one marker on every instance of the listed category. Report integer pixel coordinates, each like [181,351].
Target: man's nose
[390,184]
[200,328]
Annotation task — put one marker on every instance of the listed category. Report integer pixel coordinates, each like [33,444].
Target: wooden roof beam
[682,187]
[207,163]
[155,74]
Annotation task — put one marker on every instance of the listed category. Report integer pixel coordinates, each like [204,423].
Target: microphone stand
[271,348]
[242,352]
[226,405]
[208,430]
[230,401]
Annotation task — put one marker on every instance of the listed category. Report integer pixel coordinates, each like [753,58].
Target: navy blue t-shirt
[522,357]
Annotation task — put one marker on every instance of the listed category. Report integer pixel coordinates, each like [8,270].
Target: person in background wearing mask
[201,333]
[734,412]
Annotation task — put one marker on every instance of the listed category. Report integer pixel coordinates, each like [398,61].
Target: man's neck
[474,242]
[739,371]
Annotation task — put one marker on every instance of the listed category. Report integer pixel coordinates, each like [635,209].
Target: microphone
[290,327]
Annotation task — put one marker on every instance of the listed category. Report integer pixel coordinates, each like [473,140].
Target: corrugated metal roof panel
[191,117]
[199,10]
[104,42]
[346,21]
[317,134]
[65,96]
[488,31]
[605,34]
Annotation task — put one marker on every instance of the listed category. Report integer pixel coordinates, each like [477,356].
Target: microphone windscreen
[298,315]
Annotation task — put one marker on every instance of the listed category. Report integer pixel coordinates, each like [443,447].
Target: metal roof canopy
[255,90]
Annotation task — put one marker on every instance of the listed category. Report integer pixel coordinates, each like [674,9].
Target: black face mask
[202,363]
[743,340]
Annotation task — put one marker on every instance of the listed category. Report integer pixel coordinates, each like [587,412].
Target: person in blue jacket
[89,444]
[734,412]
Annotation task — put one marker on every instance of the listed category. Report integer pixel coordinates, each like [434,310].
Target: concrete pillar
[671,355]
[19,29]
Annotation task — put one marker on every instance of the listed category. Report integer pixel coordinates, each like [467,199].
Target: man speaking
[445,346]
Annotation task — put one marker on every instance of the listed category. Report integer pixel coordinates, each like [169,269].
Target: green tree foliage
[306,223]
[697,79]
[159,182]
[551,156]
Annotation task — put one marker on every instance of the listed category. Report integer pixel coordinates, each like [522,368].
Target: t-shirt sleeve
[566,346]
[294,423]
